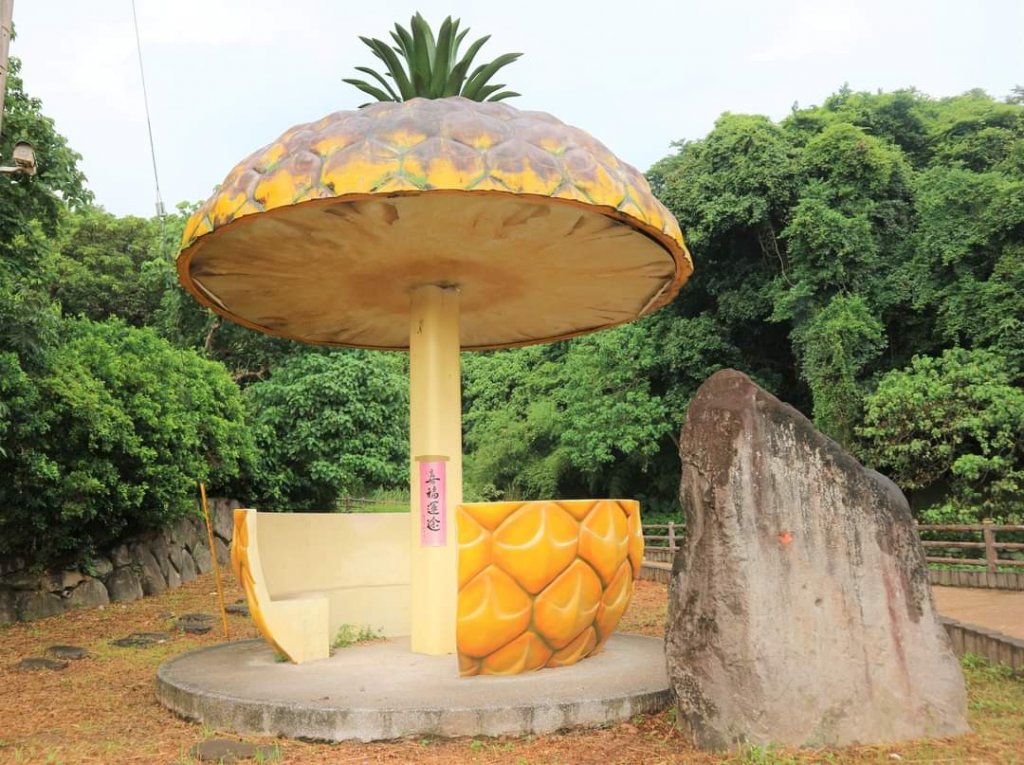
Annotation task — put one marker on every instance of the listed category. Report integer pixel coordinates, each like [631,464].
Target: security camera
[25,157]
[24,160]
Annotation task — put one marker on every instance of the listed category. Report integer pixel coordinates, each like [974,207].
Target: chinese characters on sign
[433,504]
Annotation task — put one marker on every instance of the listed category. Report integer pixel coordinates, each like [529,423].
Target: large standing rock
[799,611]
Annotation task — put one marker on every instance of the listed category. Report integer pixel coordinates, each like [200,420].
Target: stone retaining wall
[145,565]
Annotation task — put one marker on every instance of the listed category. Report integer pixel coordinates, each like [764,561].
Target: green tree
[965,269]
[953,423]
[108,266]
[835,246]
[32,209]
[595,416]
[250,356]
[327,425]
[111,438]
[732,192]
[835,347]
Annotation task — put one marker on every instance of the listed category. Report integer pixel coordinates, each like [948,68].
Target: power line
[149,125]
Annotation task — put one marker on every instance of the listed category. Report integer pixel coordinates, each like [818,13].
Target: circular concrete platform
[381,691]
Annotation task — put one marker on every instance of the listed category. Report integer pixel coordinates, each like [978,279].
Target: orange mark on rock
[785,537]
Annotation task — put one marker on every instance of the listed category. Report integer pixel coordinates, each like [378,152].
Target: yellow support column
[435,441]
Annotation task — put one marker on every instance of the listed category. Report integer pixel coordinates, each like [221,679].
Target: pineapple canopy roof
[322,235]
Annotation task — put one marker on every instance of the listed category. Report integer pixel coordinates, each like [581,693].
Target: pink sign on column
[433,504]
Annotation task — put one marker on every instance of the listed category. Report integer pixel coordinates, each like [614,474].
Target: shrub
[956,420]
[327,425]
[110,438]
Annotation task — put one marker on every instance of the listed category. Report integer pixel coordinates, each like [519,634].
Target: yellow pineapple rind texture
[542,584]
[438,145]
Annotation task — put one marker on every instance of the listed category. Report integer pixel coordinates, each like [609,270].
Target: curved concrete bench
[306,575]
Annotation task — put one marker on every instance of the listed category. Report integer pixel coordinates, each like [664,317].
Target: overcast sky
[228,76]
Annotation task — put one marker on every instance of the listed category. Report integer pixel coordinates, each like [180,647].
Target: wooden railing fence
[935,537]
[943,538]
[668,540]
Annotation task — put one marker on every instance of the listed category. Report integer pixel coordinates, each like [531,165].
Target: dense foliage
[954,424]
[110,437]
[104,428]
[864,260]
[839,255]
[330,425]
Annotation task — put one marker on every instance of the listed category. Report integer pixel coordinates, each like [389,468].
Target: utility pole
[6,12]
[24,155]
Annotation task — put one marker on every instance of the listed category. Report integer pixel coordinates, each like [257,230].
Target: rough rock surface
[223,552]
[123,585]
[173,578]
[225,750]
[799,609]
[201,554]
[33,663]
[8,607]
[160,552]
[89,594]
[102,567]
[153,582]
[120,556]
[73,652]
[39,605]
[223,512]
[141,640]
[195,624]
[188,567]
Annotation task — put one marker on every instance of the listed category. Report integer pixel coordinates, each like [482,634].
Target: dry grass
[103,710]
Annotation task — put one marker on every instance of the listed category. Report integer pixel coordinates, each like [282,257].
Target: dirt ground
[102,709]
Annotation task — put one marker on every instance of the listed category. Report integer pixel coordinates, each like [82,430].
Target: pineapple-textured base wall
[541,584]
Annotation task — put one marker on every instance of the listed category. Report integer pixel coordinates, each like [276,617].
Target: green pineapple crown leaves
[434,67]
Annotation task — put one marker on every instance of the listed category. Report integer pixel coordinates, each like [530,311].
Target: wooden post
[989,535]
[213,557]
[6,12]
[672,535]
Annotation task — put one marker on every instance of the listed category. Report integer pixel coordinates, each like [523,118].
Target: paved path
[1000,610]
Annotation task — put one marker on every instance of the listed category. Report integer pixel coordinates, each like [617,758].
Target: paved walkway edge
[992,645]
[986,580]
